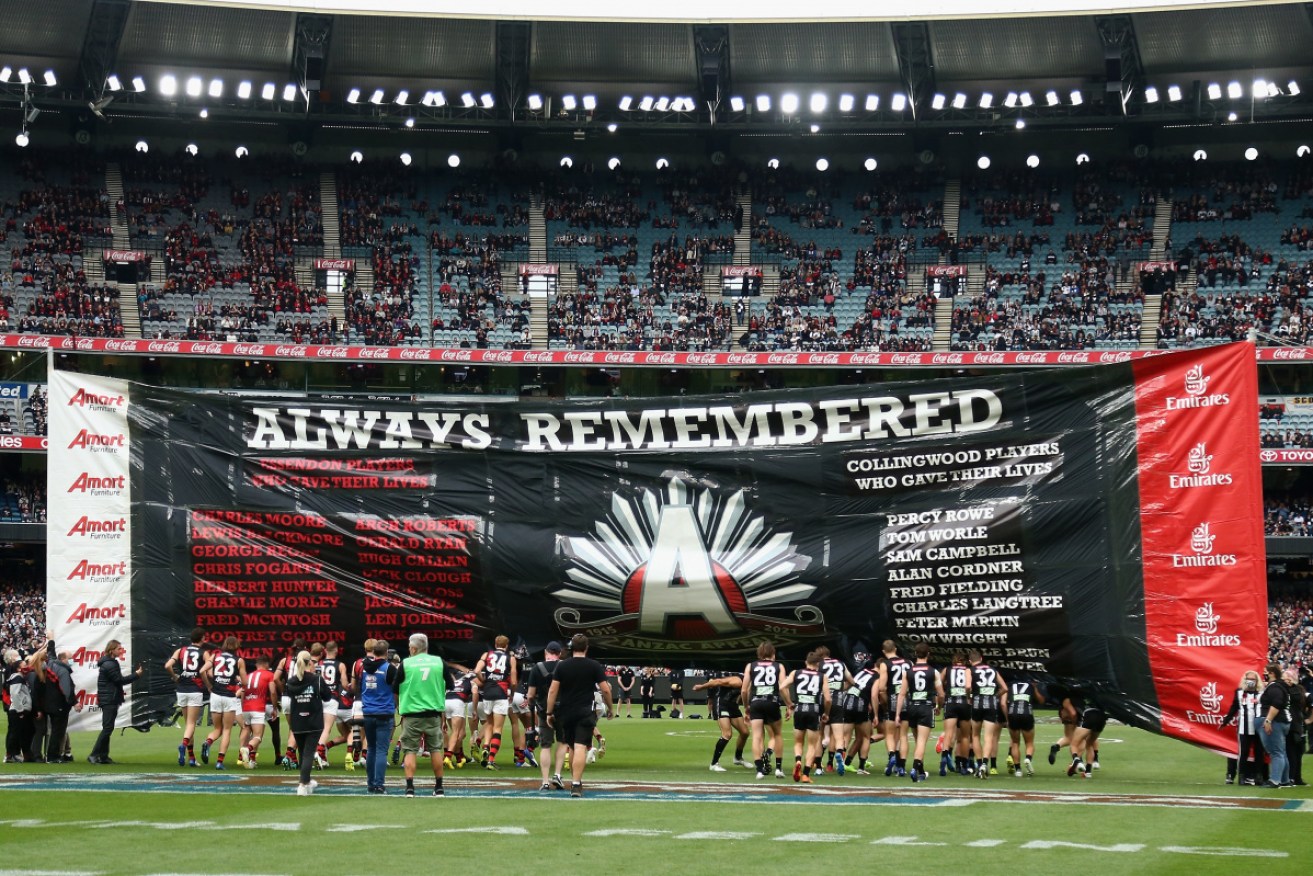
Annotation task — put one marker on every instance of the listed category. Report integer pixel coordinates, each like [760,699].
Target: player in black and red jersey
[497,673]
[461,695]
[187,668]
[226,674]
[337,711]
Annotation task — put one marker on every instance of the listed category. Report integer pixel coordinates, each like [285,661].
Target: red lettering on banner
[1205,586]
[82,398]
[98,615]
[85,440]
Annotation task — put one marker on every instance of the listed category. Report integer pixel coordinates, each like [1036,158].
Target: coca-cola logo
[1290,353]
[905,359]
[1115,358]
[164,347]
[116,346]
[782,359]
[330,352]
[372,352]
[85,344]
[207,349]
[412,353]
[823,359]
[33,341]
[701,358]
[1031,358]
[456,356]
[537,356]
[248,349]
[946,359]
[621,358]
[661,359]
[1073,357]
[499,356]
[578,357]
[864,359]
[742,359]
[298,352]
[991,358]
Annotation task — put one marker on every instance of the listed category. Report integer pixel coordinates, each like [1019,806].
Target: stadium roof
[492,70]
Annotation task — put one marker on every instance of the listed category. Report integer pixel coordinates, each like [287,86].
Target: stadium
[690,331]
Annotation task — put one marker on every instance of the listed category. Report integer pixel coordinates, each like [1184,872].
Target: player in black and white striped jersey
[1022,697]
[986,712]
[921,695]
[764,693]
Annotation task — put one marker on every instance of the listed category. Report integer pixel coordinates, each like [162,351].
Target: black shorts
[1021,723]
[957,711]
[677,691]
[764,710]
[807,720]
[576,728]
[859,715]
[729,710]
[885,713]
[626,696]
[986,709]
[921,715]
[1093,720]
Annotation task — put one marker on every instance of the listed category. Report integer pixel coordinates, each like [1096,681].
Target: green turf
[78,830]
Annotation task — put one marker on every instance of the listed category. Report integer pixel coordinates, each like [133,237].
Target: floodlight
[1292,88]
[789,103]
[216,88]
[846,103]
[1214,91]
[241,152]
[898,103]
[1026,99]
[822,164]
[487,100]
[1173,93]
[1051,98]
[467,100]
[872,102]
[268,91]
[357,157]
[1150,94]
[986,100]
[244,90]
[612,163]
[870,164]
[1011,100]
[959,101]
[590,102]
[113,83]
[1077,98]
[567,161]
[402,96]
[377,97]
[1200,155]
[736,104]
[194,86]
[353,96]
[24,76]
[138,84]
[453,160]
[983,162]
[763,103]
[773,163]
[662,104]
[22,139]
[143,147]
[818,102]
[535,102]
[1251,153]
[662,164]
[1234,91]
[937,102]
[406,159]
[51,81]
[568,103]
[192,149]
[1032,161]
[168,85]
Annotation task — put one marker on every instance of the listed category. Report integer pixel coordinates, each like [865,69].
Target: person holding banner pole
[109,695]
[1274,705]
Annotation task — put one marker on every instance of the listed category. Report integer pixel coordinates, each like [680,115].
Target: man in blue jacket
[109,694]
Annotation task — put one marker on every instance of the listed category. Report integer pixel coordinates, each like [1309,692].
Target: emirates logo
[1196,382]
[1205,620]
[689,565]
[1199,460]
[1209,697]
[1201,540]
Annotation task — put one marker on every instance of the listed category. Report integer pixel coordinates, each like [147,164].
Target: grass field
[1157,806]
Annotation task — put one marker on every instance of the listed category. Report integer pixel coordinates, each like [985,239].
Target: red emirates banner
[1201,518]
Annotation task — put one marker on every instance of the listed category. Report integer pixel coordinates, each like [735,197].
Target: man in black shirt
[627,689]
[570,705]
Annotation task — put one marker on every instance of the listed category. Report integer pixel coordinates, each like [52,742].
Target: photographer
[109,693]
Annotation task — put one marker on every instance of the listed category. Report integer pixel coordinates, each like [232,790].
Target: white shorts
[457,708]
[344,714]
[190,700]
[330,710]
[285,703]
[494,707]
[519,705]
[222,705]
[598,705]
[253,719]
[358,711]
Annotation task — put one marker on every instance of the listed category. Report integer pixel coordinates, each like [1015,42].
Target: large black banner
[995,511]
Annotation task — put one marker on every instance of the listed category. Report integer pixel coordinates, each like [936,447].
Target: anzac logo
[685,568]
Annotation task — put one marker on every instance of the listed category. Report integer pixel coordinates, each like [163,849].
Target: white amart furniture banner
[88,545]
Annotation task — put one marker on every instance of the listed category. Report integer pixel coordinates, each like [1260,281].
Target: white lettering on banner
[1201,543]
[1199,463]
[1206,622]
[207,349]
[1196,392]
[1210,699]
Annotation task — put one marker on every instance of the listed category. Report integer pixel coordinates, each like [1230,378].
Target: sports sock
[806,771]
[410,784]
[842,753]
[437,783]
[816,762]
[222,755]
[993,763]
[829,759]
[738,753]
[494,746]
[861,763]
[720,749]
[918,766]
[760,764]
[779,764]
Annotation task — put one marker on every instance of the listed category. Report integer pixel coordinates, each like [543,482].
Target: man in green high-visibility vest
[421,699]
